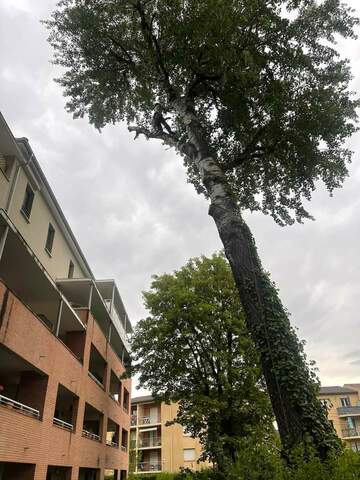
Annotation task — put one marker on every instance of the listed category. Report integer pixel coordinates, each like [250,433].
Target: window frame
[29,197]
[49,244]
[71,269]
[189,450]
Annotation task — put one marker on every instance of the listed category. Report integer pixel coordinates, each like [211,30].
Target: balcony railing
[148,420]
[91,436]
[149,442]
[349,411]
[91,375]
[133,420]
[112,444]
[350,432]
[19,407]
[149,467]
[62,424]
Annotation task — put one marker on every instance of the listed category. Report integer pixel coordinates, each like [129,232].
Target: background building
[64,411]
[155,447]
[343,404]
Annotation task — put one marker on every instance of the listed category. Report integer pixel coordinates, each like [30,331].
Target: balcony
[149,467]
[133,420]
[149,442]
[19,407]
[65,409]
[63,424]
[350,433]
[36,289]
[348,411]
[112,434]
[23,386]
[93,423]
[91,436]
[147,420]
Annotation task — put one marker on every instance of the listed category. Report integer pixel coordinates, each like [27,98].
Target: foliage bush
[260,464]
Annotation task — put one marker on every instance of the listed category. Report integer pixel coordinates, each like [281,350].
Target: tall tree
[194,349]
[258,105]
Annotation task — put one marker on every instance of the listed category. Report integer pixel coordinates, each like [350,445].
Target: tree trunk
[291,384]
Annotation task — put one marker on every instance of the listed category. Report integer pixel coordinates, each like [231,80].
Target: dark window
[6,164]
[50,238]
[345,402]
[28,201]
[71,270]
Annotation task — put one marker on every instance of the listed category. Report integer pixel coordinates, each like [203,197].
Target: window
[71,270]
[6,164]
[355,446]
[28,201]
[326,402]
[50,238]
[345,402]
[189,454]
[350,423]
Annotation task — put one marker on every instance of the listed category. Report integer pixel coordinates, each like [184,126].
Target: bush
[261,464]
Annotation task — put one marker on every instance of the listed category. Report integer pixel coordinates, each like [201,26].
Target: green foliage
[262,464]
[266,81]
[194,348]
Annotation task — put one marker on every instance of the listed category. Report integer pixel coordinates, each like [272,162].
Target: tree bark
[290,382]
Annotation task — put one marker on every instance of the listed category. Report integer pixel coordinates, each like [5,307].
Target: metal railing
[150,442]
[149,467]
[92,436]
[19,407]
[112,444]
[349,411]
[350,432]
[148,420]
[91,375]
[62,424]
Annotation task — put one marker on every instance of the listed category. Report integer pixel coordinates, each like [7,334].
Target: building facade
[64,409]
[343,405]
[156,447]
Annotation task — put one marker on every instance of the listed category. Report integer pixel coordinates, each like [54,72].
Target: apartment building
[64,408]
[156,447]
[343,404]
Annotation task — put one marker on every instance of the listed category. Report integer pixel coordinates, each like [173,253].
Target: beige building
[343,404]
[155,447]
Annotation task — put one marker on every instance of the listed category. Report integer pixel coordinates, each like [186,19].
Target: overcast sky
[134,215]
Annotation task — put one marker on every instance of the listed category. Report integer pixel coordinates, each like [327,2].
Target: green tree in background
[257,103]
[194,349]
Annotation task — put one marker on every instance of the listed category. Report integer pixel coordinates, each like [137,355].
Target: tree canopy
[258,104]
[194,349]
[270,88]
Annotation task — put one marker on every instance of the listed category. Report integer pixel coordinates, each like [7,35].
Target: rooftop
[142,399]
[336,390]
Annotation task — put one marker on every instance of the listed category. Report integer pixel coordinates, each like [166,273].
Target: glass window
[189,454]
[351,423]
[28,201]
[71,270]
[345,402]
[50,238]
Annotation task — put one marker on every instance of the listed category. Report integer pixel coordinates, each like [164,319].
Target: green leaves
[265,78]
[194,349]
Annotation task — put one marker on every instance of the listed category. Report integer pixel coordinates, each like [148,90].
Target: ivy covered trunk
[291,384]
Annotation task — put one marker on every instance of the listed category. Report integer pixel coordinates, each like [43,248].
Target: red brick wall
[24,439]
